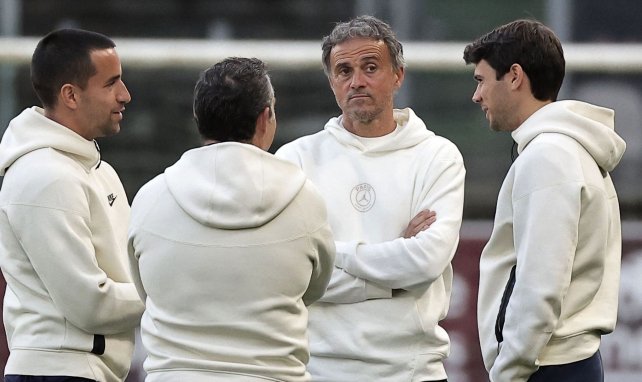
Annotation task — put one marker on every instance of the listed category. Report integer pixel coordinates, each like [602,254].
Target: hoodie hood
[410,131]
[233,185]
[592,126]
[31,130]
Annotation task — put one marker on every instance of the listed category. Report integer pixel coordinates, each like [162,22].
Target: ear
[262,122]
[517,76]
[331,83]
[68,96]
[400,74]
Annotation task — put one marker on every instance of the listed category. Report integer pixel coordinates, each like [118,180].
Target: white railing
[305,55]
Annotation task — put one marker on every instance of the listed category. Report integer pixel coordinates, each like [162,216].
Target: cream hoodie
[228,246]
[379,320]
[70,307]
[558,219]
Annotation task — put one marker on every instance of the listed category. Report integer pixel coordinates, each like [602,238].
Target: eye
[111,82]
[342,72]
[371,68]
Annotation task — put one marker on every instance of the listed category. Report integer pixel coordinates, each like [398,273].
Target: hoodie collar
[409,132]
[31,131]
[591,126]
[233,185]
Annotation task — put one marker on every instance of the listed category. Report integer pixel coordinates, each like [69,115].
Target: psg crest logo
[363,197]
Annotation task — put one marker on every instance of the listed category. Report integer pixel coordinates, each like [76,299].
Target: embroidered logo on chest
[363,197]
[111,198]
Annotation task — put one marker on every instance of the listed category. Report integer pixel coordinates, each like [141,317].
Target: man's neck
[371,129]
[529,109]
[65,120]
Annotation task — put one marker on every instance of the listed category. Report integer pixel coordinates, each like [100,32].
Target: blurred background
[158,126]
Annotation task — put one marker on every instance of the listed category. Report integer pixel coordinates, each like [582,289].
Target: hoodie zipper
[99,156]
[501,315]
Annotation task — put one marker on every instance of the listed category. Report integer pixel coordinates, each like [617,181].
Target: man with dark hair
[70,308]
[230,244]
[549,275]
[391,286]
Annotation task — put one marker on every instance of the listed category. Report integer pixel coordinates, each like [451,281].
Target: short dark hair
[528,43]
[64,57]
[228,98]
[363,27]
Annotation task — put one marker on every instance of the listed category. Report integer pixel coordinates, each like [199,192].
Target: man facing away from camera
[230,244]
[549,275]
[70,307]
[385,178]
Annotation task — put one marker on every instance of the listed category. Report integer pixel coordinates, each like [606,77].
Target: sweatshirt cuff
[374,291]
[345,249]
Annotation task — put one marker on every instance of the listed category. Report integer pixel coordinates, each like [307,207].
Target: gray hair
[363,27]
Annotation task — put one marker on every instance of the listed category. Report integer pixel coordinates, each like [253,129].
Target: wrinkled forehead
[358,49]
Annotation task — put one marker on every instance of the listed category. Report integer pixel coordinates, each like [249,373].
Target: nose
[476,96]
[123,95]
[357,79]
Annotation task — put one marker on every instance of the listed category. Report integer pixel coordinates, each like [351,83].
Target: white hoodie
[63,237]
[558,219]
[228,246]
[379,318]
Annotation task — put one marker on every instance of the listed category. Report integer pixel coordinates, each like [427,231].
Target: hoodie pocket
[501,315]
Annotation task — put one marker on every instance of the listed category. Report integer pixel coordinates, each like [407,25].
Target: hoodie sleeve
[546,210]
[135,269]
[343,288]
[327,282]
[320,240]
[405,263]
[147,197]
[52,226]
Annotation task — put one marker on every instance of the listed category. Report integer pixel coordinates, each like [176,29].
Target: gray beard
[365,116]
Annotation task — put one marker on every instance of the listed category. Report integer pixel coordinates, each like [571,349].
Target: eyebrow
[372,57]
[113,79]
